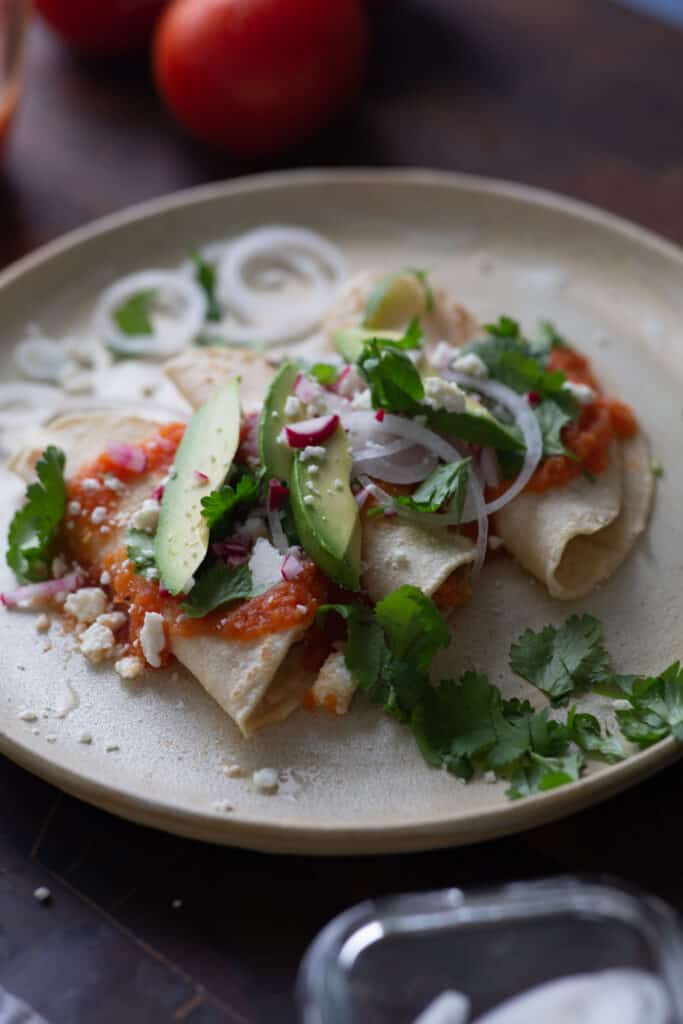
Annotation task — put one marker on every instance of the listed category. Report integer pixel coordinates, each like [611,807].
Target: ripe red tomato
[104,27]
[259,75]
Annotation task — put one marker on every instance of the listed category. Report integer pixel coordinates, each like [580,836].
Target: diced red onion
[37,593]
[292,566]
[379,415]
[199,477]
[277,494]
[362,496]
[525,420]
[127,456]
[311,432]
[234,550]
[349,382]
[158,492]
[533,398]
[305,389]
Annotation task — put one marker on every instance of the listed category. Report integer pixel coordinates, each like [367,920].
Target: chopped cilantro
[559,660]
[324,373]
[134,315]
[220,507]
[585,731]
[537,774]
[551,419]
[414,627]
[656,707]
[447,484]
[205,276]
[140,547]
[548,339]
[215,587]
[33,528]
[394,382]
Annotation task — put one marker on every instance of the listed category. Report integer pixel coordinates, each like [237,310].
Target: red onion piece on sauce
[127,456]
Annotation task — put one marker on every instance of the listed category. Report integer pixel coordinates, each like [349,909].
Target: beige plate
[358,785]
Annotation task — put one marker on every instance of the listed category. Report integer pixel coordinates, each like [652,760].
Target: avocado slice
[208,446]
[329,524]
[395,301]
[476,425]
[276,458]
[349,341]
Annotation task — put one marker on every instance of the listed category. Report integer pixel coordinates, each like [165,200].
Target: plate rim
[343,838]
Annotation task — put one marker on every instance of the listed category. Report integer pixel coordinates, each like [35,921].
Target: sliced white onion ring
[396,471]
[400,426]
[525,419]
[292,251]
[178,331]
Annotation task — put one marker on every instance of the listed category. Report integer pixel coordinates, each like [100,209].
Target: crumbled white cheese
[443,355]
[265,780]
[316,407]
[28,716]
[282,439]
[444,394]
[129,667]
[312,451]
[97,643]
[313,469]
[105,578]
[308,499]
[73,508]
[583,394]
[362,401]
[471,364]
[85,738]
[43,623]
[490,777]
[86,604]
[335,686]
[301,609]
[99,514]
[42,894]
[265,564]
[153,638]
[146,518]
[113,483]
[113,620]
[292,407]
[91,484]
[310,486]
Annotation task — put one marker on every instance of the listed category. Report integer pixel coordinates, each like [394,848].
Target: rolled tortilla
[258,682]
[396,552]
[199,372]
[574,537]
[446,320]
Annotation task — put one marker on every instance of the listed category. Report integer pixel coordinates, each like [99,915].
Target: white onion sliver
[305,253]
[476,492]
[177,335]
[525,419]
[41,358]
[381,451]
[395,472]
[400,426]
[277,533]
[489,467]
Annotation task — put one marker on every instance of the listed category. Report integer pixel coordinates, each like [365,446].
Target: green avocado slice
[276,458]
[395,301]
[208,447]
[326,512]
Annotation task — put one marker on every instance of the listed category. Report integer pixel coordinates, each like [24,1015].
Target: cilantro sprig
[222,505]
[446,485]
[33,529]
[140,550]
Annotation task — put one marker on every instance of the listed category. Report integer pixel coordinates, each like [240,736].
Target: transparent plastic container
[385,961]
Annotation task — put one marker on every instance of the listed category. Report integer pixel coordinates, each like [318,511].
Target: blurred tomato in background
[103,27]
[259,75]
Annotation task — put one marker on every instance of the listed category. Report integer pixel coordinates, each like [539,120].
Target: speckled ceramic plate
[357,784]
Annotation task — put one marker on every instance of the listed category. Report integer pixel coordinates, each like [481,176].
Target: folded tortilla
[199,372]
[257,682]
[572,538]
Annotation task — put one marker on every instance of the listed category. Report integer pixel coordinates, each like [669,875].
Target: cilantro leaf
[220,507]
[445,485]
[559,660]
[140,548]
[585,731]
[414,627]
[217,586]
[394,382]
[205,276]
[134,315]
[657,708]
[548,339]
[324,373]
[552,418]
[536,774]
[34,526]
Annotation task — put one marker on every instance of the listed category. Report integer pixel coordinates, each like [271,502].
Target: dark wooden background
[575,95]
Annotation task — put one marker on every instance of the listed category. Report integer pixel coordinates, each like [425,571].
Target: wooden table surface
[579,96]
